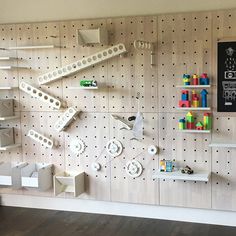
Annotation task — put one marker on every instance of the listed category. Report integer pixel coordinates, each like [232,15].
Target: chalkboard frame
[226,75]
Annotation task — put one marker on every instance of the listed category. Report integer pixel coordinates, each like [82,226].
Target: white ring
[152,150]
[96,166]
[134,168]
[114,148]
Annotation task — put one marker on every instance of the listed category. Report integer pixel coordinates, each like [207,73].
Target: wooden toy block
[207,121]
[199,126]
[195,103]
[190,125]
[189,117]
[195,79]
[186,79]
[182,124]
[184,95]
[204,80]
[204,97]
[184,104]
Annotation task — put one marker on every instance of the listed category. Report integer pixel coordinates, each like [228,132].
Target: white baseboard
[123,209]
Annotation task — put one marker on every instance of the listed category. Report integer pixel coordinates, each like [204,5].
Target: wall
[31,11]
[186,43]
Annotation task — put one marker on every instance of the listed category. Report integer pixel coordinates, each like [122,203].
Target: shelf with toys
[194,108]
[169,171]
[193,86]
[188,124]
[194,100]
[177,175]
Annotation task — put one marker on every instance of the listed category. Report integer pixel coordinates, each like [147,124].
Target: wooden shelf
[9,118]
[32,47]
[11,67]
[195,131]
[83,88]
[7,58]
[7,88]
[223,145]
[194,108]
[193,86]
[6,148]
[202,176]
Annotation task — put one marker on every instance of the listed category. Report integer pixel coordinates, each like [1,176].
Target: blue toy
[184,95]
[186,79]
[204,80]
[204,97]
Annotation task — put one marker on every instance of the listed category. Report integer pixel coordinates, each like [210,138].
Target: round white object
[96,166]
[77,146]
[114,148]
[134,168]
[152,149]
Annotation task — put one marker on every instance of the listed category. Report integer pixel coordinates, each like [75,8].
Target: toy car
[88,83]
[187,170]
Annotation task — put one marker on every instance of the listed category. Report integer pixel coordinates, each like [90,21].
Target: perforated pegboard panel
[185,149]
[93,130]
[38,61]
[184,46]
[92,101]
[223,164]
[142,189]
[184,43]
[133,73]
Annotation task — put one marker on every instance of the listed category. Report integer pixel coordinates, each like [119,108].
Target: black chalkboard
[226,85]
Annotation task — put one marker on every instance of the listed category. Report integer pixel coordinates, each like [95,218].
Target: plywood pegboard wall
[184,43]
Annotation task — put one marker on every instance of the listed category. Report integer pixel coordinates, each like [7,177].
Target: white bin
[10,174]
[37,175]
[70,182]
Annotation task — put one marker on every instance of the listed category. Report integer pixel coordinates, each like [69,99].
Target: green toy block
[189,117]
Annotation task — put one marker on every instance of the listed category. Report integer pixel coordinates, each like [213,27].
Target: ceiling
[16,11]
